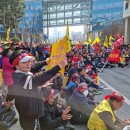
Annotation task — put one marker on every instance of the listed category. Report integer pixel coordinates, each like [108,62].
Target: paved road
[119,79]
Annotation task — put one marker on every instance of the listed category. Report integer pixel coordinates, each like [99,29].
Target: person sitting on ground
[58,82]
[60,100]
[80,95]
[84,78]
[54,117]
[75,80]
[103,116]
[7,114]
[81,105]
[122,61]
[99,62]
[69,64]
[88,61]
[73,69]
[81,62]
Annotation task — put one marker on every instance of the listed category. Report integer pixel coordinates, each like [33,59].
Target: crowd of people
[53,101]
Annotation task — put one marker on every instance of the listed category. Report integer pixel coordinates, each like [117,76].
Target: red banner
[114,56]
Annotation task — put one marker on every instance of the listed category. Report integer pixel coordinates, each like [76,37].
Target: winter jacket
[71,71]
[8,69]
[52,118]
[89,82]
[58,83]
[71,87]
[28,98]
[80,102]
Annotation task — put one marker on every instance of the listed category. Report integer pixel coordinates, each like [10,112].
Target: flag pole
[99,72]
[102,68]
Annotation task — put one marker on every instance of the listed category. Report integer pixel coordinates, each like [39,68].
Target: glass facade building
[58,12]
[32,20]
[104,12]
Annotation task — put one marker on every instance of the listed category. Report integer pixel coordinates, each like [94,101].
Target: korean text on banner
[58,53]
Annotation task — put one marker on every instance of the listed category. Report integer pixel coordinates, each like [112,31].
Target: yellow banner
[58,53]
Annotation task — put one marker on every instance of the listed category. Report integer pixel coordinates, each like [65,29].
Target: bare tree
[114,29]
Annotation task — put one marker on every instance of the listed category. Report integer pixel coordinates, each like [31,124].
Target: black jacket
[79,102]
[28,101]
[89,82]
[52,118]
[58,83]
[38,66]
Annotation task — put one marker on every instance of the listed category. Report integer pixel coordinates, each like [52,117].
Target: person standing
[28,99]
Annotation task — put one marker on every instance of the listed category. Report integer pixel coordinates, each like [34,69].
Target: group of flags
[114,56]
[108,42]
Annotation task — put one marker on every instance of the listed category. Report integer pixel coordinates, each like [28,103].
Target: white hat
[26,58]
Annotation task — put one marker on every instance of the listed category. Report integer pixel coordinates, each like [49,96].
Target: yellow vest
[95,122]
[122,60]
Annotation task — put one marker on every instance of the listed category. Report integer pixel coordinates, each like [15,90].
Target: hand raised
[66,117]
[66,110]
[63,63]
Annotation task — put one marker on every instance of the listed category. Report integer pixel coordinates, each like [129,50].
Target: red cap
[115,95]
[17,59]
[75,75]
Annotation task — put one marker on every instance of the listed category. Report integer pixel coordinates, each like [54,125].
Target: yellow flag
[110,40]
[68,37]
[4,42]
[8,33]
[97,40]
[58,53]
[106,42]
[0,78]
[86,43]
[98,80]
[90,38]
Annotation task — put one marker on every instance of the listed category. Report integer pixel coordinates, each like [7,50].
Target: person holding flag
[28,99]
